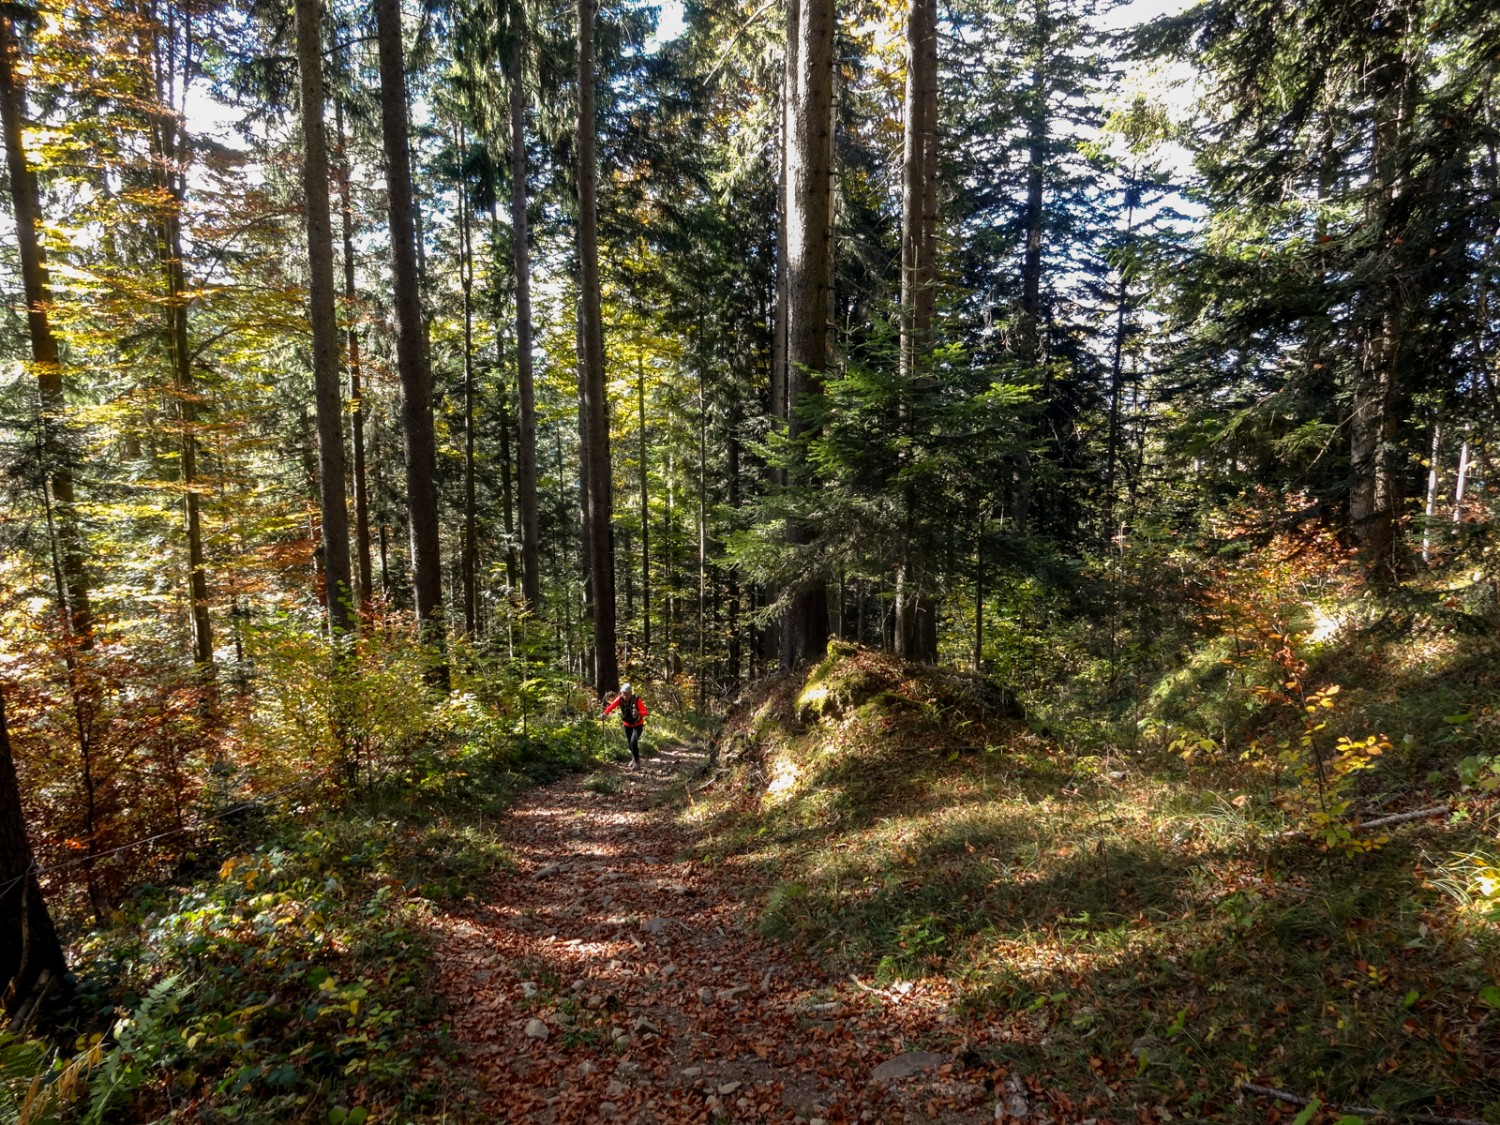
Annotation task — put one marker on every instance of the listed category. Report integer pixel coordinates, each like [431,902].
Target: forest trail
[607,978]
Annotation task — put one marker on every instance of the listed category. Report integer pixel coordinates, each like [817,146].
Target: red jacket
[640,706]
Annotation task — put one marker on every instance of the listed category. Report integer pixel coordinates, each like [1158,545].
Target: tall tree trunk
[916,639]
[33,971]
[411,353]
[170,174]
[469,561]
[1432,486]
[356,389]
[36,286]
[585,528]
[1117,350]
[1375,463]
[809,284]
[783,203]
[325,331]
[702,670]
[507,481]
[531,573]
[1030,350]
[732,476]
[596,422]
[640,398]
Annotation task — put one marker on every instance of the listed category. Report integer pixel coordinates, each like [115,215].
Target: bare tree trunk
[1461,483]
[507,482]
[33,972]
[916,636]
[809,282]
[1432,486]
[325,332]
[44,352]
[702,671]
[640,396]
[596,432]
[1117,353]
[411,353]
[1375,463]
[356,389]
[469,559]
[531,581]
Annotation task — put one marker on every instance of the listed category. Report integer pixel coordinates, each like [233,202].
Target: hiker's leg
[635,743]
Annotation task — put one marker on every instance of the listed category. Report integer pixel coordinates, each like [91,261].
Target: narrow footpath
[611,979]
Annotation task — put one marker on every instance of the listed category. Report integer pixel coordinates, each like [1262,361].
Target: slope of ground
[1148,935]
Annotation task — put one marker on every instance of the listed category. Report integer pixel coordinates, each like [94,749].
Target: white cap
[625,688]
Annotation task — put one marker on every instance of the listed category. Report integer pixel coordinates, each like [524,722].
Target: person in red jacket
[633,716]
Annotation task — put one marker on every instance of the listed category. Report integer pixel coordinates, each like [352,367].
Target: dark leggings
[633,736]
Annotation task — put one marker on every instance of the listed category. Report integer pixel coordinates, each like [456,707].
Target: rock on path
[606,980]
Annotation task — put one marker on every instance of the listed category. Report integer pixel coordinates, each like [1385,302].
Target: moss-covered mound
[859,732]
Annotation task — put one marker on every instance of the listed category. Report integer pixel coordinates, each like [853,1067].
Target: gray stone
[727,1088]
[536,1029]
[550,869]
[528,988]
[904,1066]
[657,926]
[705,995]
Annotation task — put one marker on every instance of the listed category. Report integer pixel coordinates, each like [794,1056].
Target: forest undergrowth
[1159,882]
[275,961]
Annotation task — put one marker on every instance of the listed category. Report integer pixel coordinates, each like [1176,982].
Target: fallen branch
[1380,821]
[890,996]
[1363,1110]
[1402,818]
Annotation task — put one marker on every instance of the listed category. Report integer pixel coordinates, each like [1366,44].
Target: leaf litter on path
[659,1001]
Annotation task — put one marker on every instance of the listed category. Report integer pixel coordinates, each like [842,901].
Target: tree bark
[507,476]
[469,560]
[32,968]
[531,580]
[916,634]
[36,286]
[809,286]
[1375,463]
[411,352]
[640,397]
[356,388]
[596,421]
[342,619]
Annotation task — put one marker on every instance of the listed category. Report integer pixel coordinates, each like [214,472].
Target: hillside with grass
[1260,883]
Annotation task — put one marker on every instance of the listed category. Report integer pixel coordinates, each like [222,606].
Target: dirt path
[610,979]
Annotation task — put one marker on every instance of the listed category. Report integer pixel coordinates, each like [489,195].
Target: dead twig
[1362,1110]
[1381,821]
